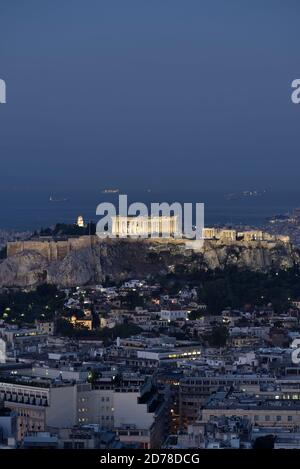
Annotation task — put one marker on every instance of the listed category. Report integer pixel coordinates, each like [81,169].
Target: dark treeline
[63,229]
[236,288]
[25,307]
[217,289]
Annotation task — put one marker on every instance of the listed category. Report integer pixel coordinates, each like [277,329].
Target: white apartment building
[39,403]
[135,413]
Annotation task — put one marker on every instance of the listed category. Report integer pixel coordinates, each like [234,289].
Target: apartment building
[136,413]
[259,411]
[39,403]
[194,390]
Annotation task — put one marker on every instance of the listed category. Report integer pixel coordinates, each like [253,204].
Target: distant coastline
[32,209]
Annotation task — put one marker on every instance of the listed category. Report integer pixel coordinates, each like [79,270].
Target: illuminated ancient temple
[156,226]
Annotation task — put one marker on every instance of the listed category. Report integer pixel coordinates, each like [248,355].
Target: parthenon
[145,226]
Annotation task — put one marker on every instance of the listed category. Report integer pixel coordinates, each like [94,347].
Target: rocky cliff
[120,259]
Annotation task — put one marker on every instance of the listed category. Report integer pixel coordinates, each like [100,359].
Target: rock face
[77,268]
[121,259]
[254,256]
[27,268]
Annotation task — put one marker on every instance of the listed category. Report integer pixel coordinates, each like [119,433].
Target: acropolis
[57,249]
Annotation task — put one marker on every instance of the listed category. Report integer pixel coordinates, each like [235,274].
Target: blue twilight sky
[149,93]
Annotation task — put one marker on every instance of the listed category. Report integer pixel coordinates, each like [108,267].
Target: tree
[133,299]
[64,327]
[196,314]
[218,337]
[93,376]
[3,252]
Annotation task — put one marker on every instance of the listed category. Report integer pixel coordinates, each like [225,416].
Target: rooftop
[237,400]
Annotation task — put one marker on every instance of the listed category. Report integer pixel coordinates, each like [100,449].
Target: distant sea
[32,209]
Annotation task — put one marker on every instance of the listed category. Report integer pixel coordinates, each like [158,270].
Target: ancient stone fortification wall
[16,247]
[56,250]
[52,250]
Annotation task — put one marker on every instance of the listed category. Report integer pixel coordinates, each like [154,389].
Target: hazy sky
[149,93]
